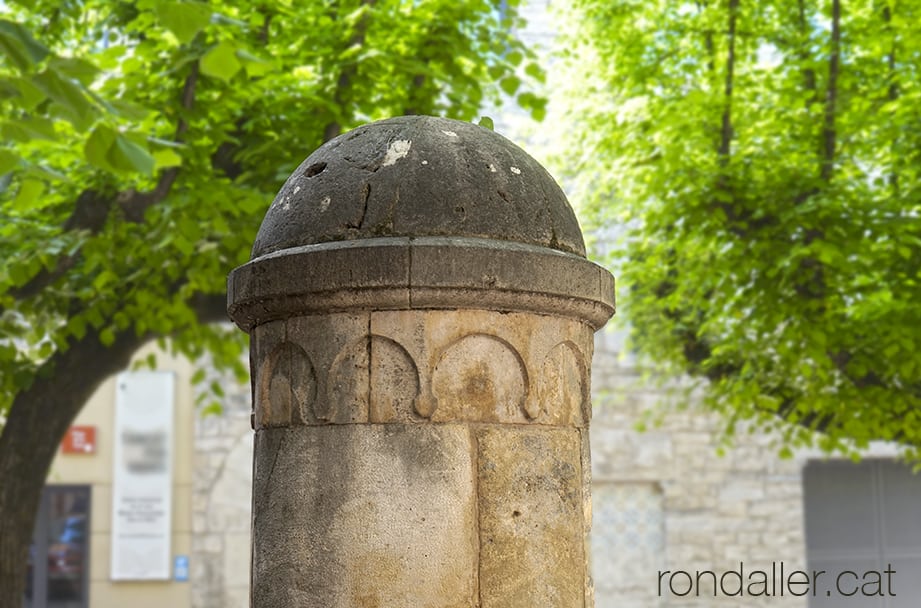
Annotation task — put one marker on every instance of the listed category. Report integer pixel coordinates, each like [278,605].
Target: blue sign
[181,568]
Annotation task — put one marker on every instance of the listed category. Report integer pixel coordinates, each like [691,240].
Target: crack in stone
[364,209]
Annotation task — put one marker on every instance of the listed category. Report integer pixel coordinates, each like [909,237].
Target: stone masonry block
[532,550]
[395,529]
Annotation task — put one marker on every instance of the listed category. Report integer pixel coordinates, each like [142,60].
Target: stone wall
[222,495]
[663,500]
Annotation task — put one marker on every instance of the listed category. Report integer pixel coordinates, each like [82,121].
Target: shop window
[58,561]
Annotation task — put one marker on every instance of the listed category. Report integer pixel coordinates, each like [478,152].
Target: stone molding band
[400,273]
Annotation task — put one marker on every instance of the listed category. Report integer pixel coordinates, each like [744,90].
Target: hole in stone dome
[314,169]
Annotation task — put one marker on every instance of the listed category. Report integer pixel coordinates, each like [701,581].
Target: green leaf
[107,149]
[221,62]
[67,93]
[97,146]
[212,409]
[183,19]
[29,192]
[29,94]
[486,122]
[514,58]
[216,388]
[254,66]
[534,71]
[106,277]
[8,161]
[127,155]
[17,43]
[356,15]
[126,109]
[509,84]
[29,129]
[73,67]
[166,158]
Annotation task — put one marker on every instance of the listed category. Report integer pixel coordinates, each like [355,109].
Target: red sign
[79,440]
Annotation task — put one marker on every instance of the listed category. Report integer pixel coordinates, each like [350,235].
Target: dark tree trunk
[37,421]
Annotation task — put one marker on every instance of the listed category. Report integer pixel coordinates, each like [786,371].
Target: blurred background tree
[762,163]
[141,144]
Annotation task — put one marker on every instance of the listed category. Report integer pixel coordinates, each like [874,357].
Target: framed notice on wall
[143,476]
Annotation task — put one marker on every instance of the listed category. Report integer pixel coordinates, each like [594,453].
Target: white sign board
[143,479]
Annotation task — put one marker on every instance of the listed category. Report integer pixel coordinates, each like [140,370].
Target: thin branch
[726,130]
[348,73]
[264,31]
[417,84]
[209,307]
[809,80]
[739,219]
[134,204]
[814,286]
[893,95]
[829,134]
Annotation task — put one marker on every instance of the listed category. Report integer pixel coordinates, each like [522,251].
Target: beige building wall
[97,469]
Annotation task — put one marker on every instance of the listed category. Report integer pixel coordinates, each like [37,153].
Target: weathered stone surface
[422,273]
[419,176]
[407,366]
[532,537]
[422,315]
[313,370]
[484,366]
[364,516]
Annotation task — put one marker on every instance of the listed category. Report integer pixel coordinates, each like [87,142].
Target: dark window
[864,519]
[59,556]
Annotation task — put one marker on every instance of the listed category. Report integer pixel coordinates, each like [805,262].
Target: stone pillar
[421,316]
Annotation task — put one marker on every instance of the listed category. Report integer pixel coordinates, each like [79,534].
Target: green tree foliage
[141,144]
[761,161]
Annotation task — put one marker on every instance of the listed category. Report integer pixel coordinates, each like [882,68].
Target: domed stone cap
[419,176]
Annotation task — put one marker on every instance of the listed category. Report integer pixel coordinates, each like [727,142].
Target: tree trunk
[37,421]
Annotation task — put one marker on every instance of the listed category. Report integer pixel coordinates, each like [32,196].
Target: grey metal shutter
[863,518]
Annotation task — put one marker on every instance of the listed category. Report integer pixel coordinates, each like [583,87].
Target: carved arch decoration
[479,377]
[286,387]
[562,388]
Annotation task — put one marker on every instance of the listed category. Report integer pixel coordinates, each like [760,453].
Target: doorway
[58,560]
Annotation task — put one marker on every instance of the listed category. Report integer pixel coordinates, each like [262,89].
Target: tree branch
[739,220]
[726,130]
[333,127]
[264,30]
[210,307]
[134,204]
[417,84]
[829,134]
[893,95]
[92,207]
[809,81]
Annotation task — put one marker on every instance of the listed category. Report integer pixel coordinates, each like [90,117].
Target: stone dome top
[419,176]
